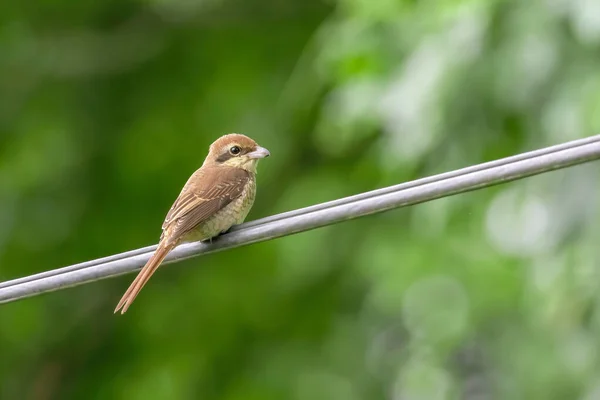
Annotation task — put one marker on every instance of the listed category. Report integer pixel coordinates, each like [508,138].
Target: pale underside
[231,214]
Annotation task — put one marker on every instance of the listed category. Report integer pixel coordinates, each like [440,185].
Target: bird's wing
[204,196]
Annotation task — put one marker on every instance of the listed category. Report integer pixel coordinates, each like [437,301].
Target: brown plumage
[216,197]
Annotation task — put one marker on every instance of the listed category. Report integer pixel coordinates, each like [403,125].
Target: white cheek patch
[242,162]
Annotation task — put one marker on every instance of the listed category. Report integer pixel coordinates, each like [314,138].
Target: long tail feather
[143,276]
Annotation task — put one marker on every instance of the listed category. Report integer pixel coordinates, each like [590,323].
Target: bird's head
[236,151]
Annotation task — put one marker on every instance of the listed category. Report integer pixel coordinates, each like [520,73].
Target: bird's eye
[235,150]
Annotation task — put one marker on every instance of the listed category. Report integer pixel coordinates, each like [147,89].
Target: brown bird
[216,197]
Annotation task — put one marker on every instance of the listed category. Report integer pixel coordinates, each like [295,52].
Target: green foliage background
[107,107]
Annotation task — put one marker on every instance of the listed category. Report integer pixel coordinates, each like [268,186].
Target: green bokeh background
[107,107]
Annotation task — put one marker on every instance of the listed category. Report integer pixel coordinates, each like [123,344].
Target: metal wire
[418,191]
[322,206]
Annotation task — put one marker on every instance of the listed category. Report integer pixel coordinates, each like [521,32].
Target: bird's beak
[259,152]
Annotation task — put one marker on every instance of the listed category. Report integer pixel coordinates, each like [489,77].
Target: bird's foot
[225,231]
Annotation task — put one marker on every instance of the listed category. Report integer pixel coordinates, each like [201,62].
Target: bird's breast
[233,213]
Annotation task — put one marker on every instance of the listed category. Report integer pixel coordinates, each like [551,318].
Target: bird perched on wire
[217,196]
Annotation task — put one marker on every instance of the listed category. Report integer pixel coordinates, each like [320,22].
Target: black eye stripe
[226,154]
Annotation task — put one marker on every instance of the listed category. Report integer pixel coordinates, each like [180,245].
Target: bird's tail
[144,275]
